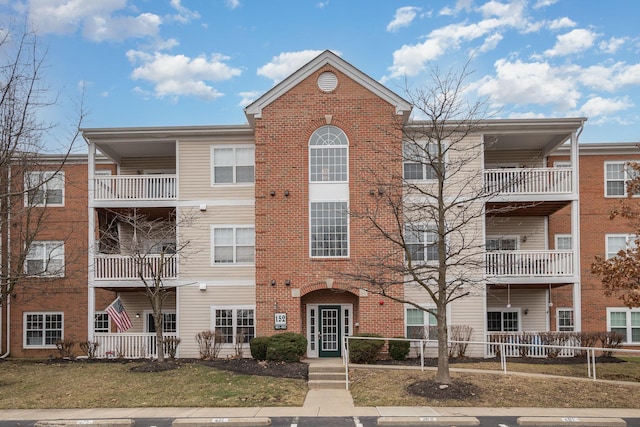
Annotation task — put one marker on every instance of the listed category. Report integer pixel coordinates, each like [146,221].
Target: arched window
[328,155]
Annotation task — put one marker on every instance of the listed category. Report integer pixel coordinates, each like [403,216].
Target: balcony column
[575,233]
[91,293]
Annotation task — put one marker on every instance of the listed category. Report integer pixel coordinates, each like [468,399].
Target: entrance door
[330,330]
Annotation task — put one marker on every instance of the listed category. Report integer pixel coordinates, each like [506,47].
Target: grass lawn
[29,384]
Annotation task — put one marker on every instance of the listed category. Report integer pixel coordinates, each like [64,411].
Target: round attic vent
[327,81]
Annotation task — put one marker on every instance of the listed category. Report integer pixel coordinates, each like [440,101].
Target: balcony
[128,345]
[122,267]
[545,264]
[116,188]
[528,181]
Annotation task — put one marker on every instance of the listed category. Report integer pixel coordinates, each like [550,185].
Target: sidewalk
[318,403]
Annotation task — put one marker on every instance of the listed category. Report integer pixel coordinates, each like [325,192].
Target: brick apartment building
[268,228]
[603,177]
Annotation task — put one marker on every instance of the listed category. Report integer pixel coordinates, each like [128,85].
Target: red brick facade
[282,221]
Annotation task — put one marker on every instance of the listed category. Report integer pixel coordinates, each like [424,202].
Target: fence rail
[529,263]
[528,181]
[128,345]
[122,267]
[134,187]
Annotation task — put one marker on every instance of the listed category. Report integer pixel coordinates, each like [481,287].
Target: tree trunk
[443,375]
[159,324]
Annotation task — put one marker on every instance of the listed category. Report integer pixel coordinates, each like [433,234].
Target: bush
[399,350]
[209,344]
[65,348]
[258,347]
[365,351]
[170,346]
[610,340]
[286,347]
[90,348]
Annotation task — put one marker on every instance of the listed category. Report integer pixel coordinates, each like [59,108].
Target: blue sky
[195,62]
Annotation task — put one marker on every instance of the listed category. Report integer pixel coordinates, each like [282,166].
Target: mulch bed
[456,390]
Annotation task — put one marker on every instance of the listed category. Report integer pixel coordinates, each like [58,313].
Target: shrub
[170,346]
[461,334]
[610,340]
[286,347]
[209,344]
[258,347]
[65,348]
[90,348]
[399,350]
[365,351]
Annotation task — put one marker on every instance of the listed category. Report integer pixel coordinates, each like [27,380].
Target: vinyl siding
[532,228]
[516,158]
[532,299]
[138,165]
[194,313]
[138,302]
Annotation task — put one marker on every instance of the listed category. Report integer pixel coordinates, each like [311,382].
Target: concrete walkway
[318,403]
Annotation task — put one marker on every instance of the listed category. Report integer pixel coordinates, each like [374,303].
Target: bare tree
[154,250]
[437,207]
[27,177]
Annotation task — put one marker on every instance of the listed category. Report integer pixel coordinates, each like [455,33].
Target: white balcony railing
[529,263]
[128,345]
[522,181]
[134,187]
[122,267]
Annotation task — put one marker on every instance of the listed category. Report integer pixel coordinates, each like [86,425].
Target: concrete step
[319,376]
[326,369]
[327,384]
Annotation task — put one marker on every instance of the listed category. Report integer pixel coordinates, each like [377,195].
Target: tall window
[616,177]
[502,321]
[235,324]
[44,188]
[45,259]
[418,160]
[626,322]
[328,155]
[329,229]
[565,319]
[42,329]
[233,245]
[421,242]
[233,165]
[420,324]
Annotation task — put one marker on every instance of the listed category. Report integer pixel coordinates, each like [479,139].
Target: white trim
[343,324]
[573,319]
[234,319]
[233,147]
[40,313]
[234,227]
[43,186]
[348,232]
[625,178]
[629,327]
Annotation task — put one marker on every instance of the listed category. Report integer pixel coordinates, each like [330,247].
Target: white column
[575,232]
[91,293]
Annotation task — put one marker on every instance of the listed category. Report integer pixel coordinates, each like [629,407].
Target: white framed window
[503,321]
[101,322]
[418,159]
[42,330]
[45,259]
[563,242]
[44,188]
[625,321]
[233,244]
[232,165]
[616,176]
[328,155]
[618,242]
[329,224]
[564,320]
[421,242]
[235,323]
[502,243]
[420,324]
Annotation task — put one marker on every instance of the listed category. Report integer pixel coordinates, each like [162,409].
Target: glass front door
[329,334]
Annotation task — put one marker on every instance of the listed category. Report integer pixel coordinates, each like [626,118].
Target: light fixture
[273,282]
[286,193]
[287,282]
[275,306]
[526,311]
[137,315]
[508,296]
[550,302]
[273,193]
[203,286]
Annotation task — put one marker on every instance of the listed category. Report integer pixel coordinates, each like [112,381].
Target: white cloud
[460,5]
[491,42]
[410,60]
[558,24]
[572,42]
[523,83]
[248,97]
[232,4]
[286,63]
[544,3]
[598,106]
[184,15]
[612,45]
[99,28]
[322,4]
[403,18]
[609,78]
[179,75]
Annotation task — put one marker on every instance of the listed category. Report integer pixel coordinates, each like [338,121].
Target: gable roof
[254,110]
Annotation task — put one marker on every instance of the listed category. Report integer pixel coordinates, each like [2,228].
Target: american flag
[118,314]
